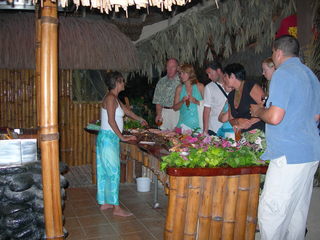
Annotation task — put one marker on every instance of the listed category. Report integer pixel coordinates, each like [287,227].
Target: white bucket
[143,184]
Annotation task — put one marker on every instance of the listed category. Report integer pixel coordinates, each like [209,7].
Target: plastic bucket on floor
[143,184]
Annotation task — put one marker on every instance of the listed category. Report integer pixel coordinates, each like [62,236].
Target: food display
[194,150]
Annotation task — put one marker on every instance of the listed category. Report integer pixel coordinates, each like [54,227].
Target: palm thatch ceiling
[83,44]
[233,27]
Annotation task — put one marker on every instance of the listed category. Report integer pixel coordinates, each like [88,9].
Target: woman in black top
[244,93]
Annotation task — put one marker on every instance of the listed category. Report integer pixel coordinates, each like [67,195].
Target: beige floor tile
[128,227]
[100,231]
[141,235]
[137,206]
[76,234]
[147,213]
[117,219]
[76,204]
[71,222]
[81,212]
[68,210]
[93,220]
[78,196]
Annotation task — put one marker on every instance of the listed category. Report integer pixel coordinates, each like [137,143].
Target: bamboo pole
[146,159]
[194,189]
[242,207]
[205,207]
[38,62]
[230,208]
[168,233]
[252,206]
[180,210]
[218,204]
[49,140]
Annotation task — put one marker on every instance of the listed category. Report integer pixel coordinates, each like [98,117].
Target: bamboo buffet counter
[203,203]
[213,203]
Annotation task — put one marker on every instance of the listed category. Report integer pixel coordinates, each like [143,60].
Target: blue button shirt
[295,89]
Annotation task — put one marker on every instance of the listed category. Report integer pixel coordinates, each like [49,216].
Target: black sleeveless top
[243,110]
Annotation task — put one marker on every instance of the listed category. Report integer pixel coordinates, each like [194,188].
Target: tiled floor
[84,220]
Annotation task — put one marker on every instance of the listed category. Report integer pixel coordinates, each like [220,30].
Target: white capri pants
[285,200]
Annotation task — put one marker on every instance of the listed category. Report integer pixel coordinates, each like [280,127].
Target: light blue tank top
[189,115]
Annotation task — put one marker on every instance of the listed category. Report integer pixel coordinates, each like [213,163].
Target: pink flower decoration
[178,130]
[206,140]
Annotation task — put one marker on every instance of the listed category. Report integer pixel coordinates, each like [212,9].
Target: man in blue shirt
[293,143]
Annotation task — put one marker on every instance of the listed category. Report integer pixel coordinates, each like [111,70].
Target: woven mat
[79,176]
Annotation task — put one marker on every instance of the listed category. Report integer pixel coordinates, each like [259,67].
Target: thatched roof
[83,44]
[231,28]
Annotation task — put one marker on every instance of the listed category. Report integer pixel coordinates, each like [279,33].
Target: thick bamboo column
[49,136]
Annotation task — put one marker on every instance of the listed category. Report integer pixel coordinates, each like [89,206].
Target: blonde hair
[188,68]
[269,62]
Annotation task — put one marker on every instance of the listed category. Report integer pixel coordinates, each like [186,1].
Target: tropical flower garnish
[191,151]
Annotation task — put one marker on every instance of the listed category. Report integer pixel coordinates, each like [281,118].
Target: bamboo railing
[17,99]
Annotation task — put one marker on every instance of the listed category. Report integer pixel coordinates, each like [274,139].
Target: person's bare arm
[223,117]
[206,115]
[132,115]
[201,89]
[177,102]
[158,112]
[272,115]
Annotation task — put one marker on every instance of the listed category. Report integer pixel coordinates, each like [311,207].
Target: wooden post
[38,62]
[49,135]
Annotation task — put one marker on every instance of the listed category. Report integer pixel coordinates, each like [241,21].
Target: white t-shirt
[215,99]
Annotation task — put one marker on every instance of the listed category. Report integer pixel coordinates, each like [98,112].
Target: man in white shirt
[214,99]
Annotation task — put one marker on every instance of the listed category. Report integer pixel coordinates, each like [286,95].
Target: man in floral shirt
[291,116]
[164,96]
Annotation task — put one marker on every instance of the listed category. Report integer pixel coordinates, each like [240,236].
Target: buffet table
[203,203]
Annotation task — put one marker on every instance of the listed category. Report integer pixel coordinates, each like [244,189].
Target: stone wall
[21,202]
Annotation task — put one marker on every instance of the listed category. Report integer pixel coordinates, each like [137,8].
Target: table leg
[156,203]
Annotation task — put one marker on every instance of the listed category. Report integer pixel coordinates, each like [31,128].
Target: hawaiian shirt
[165,91]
